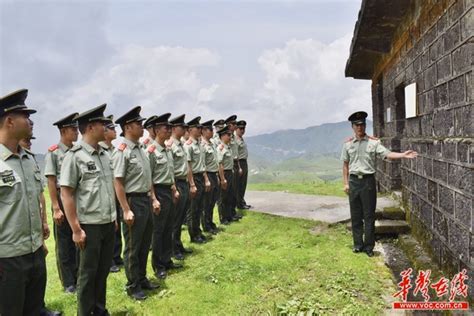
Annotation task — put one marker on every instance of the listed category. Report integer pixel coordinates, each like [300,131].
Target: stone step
[391,227]
[390,213]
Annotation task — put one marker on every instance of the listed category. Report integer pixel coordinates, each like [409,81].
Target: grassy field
[314,187]
[263,265]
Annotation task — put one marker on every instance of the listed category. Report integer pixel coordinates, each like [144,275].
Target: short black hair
[83,127]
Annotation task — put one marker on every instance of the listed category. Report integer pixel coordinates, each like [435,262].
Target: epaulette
[146,141]
[169,142]
[122,147]
[151,148]
[53,147]
[75,148]
[221,147]
[189,142]
[348,139]
[372,137]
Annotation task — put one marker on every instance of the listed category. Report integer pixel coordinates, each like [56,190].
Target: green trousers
[66,251]
[225,198]
[162,229]
[362,202]
[22,284]
[94,265]
[137,240]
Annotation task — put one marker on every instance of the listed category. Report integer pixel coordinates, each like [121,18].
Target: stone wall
[435,49]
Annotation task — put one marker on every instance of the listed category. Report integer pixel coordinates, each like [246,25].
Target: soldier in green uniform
[231,123]
[162,169]
[180,163]
[65,249]
[22,257]
[242,156]
[106,144]
[88,196]
[212,168]
[226,166]
[151,134]
[197,178]
[26,143]
[359,154]
[133,186]
[218,125]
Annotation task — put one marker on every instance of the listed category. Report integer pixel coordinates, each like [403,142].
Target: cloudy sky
[276,64]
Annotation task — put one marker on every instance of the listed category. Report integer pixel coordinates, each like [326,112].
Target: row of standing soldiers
[144,190]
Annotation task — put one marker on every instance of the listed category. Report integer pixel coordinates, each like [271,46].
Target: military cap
[195,122]
[231,119]
[110,124]
[131,116]
[219,122]
[207,124]
[68,121]
[147,123]
[358,117]
[241,124]
[161,120]
[178,120]
[93,115]
[15,102]
[224,130]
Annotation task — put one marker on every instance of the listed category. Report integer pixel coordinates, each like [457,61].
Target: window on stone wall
[411,106]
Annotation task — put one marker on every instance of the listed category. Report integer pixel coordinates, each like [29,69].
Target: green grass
[314,187]
[262,265]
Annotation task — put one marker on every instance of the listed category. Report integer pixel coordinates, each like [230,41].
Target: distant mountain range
[285,144]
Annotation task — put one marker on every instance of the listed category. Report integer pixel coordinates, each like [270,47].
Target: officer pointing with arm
[358,155]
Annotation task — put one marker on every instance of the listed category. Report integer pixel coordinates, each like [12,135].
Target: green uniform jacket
[243,152]
[20,219]
[161,162]
[224,157]
[210,156]
[361,154]
[234,148]
[54,160]
[195,155]
[89,173]
[130,162]
[180,161]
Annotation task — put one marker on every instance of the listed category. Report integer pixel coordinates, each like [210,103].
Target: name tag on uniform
[91,166]
[7,176]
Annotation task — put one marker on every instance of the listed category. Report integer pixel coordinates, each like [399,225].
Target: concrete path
[329,209]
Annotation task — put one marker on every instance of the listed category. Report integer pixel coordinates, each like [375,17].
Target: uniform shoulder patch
[189,142]
[53,148]
[146,141]
[348,139]
[122,147]
[221,147]
[75,148]
[151,148]
[372,137]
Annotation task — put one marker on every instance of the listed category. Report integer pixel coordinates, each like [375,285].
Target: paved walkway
[329,209]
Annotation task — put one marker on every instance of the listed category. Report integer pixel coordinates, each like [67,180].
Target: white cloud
[305,85]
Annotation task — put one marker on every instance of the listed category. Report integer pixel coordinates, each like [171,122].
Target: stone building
[419,56]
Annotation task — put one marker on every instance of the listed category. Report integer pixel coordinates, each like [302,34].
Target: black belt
[138,194]
[164,186]
[198,174]
[182,180]
[243,159]
[362,176]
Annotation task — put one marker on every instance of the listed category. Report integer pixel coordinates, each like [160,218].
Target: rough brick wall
[435,49]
